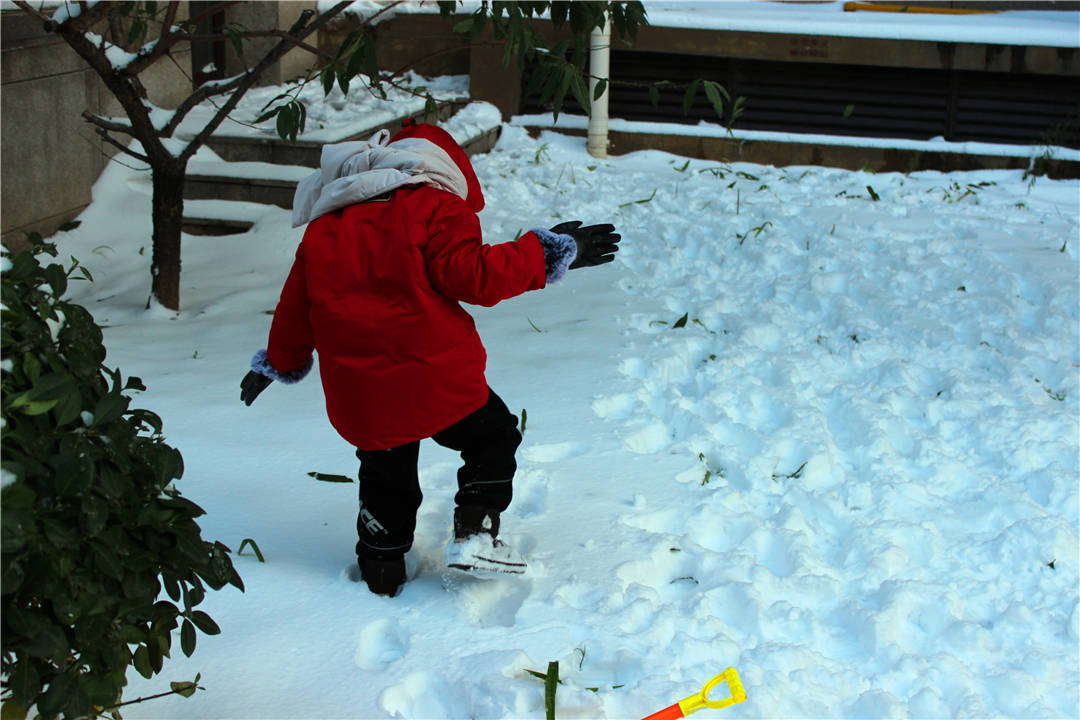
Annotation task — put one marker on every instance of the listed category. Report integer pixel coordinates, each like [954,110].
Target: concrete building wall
[49,156]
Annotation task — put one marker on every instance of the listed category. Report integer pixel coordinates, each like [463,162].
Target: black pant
[390,487]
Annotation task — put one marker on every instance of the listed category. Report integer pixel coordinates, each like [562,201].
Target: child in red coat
[392,247]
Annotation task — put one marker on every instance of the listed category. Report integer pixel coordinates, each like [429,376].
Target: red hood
[443,139]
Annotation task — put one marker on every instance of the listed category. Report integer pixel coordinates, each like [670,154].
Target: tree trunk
[168,217]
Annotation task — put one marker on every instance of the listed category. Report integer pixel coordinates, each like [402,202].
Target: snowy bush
[91,528]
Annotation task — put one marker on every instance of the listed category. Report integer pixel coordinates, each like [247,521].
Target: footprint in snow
[554,452]
[614,407]
[380,643]
[530,493]
[488,602]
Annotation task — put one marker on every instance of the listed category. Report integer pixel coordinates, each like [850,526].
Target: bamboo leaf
[551,684]
[326,477]
[688,98]
[714,93]
[254,548]
[601,86]
[581,93]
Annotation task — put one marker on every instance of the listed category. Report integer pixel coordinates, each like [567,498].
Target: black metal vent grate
[854,100]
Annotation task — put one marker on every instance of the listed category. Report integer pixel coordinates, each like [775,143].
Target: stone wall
[50,157]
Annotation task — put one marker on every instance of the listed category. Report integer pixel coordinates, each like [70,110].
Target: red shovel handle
[673,712]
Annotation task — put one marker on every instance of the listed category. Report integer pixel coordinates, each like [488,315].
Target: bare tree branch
[170,18]
[239,85]
[249,34]
[121,147]
[109,125]
[87,17]
[126,88]
[166,40]
[116,27]
[31,10]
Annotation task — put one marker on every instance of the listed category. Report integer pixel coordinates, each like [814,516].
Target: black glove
[596,244]
[253,384]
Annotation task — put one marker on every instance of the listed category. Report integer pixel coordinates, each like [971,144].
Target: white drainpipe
[599,65]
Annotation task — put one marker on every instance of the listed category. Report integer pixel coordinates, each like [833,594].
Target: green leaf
[716,95]
[326,76]
[254,547]
[52,386]
[48,642]
[109,408]
[267,115]
[136,33]
[326,477]
[237,41]
[187,638]
[193,595]
[581,93]
[688,98]
[343,82]
[681,322]
[57,279]
[204,622]
[38,407]
[12,710]
[131,634]
[101,691]
[564,86]
[11,577]
[551,684]
[184,689]
[58,693]
[601,86]
[24,683]
[31,367]
[286,129]
[68,408]
[141,661]
[873,195]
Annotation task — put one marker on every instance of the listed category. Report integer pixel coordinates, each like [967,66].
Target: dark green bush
[91,529]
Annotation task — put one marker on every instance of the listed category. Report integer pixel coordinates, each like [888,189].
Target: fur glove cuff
[559,251]
[261,364]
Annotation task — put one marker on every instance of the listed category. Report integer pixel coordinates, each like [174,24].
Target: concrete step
[262,183]
[306,153]
[250,182]
[223,217]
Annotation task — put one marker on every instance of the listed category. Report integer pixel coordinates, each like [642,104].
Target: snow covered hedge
[91,528]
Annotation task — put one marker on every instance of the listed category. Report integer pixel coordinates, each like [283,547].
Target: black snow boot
[383,577]
[476,547]
[471,520]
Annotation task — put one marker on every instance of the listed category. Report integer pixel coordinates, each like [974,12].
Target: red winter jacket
[375,289]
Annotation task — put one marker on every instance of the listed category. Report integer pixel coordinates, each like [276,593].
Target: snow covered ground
[818,425]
